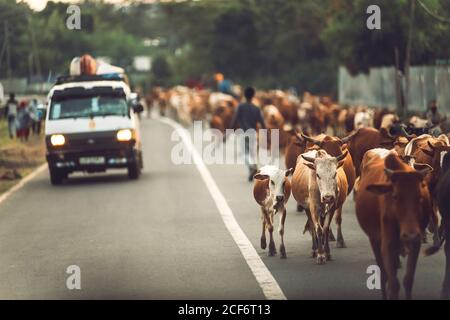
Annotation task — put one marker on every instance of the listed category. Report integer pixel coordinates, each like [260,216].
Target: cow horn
[405,133]
[299,137]
[308,159]
[309,139]
[342,156]
[389,172]
[349,137]
[426,168]
[432,147]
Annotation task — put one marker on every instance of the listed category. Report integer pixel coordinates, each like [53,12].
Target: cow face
[326,168]
[438,151]
[277,180]
[405,200]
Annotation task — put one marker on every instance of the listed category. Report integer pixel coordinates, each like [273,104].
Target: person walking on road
[247,116]
[11,114]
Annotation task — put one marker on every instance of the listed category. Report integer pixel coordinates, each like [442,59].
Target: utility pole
[34,49]
[8,51]
[408,55]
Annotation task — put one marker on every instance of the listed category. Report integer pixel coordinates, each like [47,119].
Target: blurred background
[267,43]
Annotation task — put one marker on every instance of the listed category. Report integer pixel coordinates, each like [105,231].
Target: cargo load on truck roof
[87,68]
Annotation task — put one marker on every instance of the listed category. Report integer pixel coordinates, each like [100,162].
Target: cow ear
[260,176]
[379,188]
[429,153]
[289,172]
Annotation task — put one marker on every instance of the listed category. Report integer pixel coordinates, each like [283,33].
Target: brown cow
[319,185]
[366,139]
[271,191]
[429,150]
[295,147]
[393,208]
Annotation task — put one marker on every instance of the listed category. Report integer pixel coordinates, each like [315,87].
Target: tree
[235,44]
[161,72]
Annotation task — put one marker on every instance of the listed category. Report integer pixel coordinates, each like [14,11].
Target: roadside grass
[23,157]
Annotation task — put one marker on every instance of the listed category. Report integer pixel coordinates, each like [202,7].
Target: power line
[427,10]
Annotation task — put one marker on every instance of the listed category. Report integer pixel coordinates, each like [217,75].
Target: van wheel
[56,176]
[134,170]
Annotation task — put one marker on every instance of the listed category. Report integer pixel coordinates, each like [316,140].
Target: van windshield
[86,107]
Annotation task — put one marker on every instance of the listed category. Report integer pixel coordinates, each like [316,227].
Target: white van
[92,124]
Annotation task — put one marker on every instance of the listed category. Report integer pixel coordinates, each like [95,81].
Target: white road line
[265,279]
[22,182]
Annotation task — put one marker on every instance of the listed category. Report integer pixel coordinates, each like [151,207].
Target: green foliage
[359,48]
[267,43]
[161,72]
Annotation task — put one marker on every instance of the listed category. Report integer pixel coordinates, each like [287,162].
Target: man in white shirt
[11,114]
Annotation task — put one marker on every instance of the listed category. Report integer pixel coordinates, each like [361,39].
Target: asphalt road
[162,237]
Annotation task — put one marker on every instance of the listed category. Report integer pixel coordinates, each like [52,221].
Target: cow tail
[433,249]
[306,229]
[443,233]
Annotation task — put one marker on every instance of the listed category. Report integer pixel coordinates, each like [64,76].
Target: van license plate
[92,160]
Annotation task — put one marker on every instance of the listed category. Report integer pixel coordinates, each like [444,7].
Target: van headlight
[57,140]
[125,135]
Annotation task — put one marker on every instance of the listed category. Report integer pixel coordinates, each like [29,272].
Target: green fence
[377,88]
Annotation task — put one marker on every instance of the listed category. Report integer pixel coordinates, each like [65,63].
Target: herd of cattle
[399,174]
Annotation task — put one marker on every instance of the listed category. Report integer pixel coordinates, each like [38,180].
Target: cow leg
[411,264]
[263,234]
[434,226]
[331,236]
[390,258]
[340,243]
[445,294]
[272,249]
[281,232]
[313,234]
[326,231]
[376,248]
[321,257]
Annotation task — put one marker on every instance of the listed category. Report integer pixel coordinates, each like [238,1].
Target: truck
[92,122]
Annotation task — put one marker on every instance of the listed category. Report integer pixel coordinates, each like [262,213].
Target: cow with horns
[336,147]
[319,185]
[393,207]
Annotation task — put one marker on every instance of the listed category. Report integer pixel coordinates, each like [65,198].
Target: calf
[393,208]
[271,191]
[320,186]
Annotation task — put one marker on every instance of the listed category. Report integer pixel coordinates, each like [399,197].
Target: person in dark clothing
[434,119]
[247,116]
